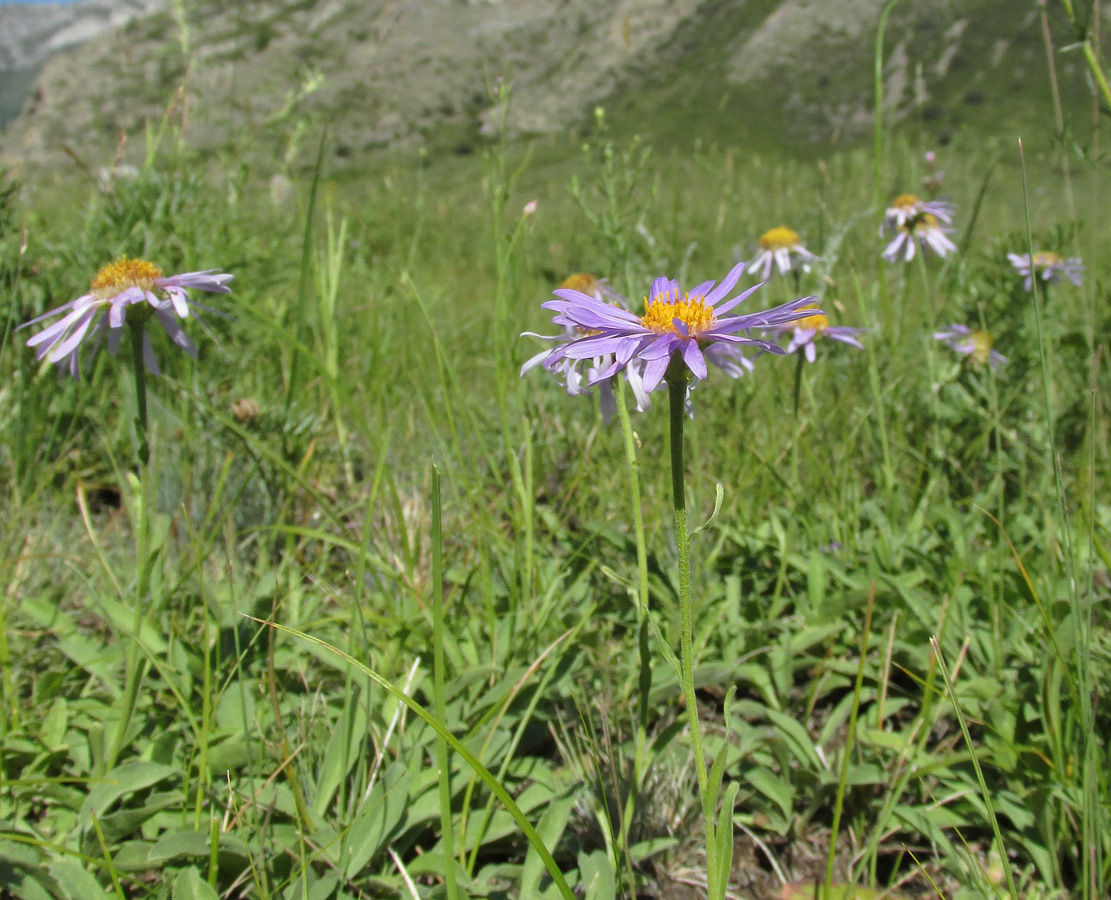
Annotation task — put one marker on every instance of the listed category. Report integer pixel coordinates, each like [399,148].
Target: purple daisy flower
[907,207]
[925,230]
[805,333]
[777,247]
[976,345]
[673,325]
[1051,267]
[125,291]
[567,371]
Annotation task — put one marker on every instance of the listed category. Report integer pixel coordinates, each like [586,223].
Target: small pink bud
[530,208]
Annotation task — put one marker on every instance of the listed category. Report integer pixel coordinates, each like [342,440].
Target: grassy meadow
[371,621]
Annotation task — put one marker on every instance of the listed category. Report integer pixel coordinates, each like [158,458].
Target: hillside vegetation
[387,73]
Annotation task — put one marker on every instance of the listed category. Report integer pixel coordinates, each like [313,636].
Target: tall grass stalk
[879,400]
[329,269]
[1091,53]
[135,665]
[300,318]
[502,181]
[1090,849]
[850,744]
[438,706]
[985,793]
[259,870]
[877,132]
[644,681]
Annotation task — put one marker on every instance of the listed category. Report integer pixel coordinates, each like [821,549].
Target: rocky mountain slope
[390,72]
[31,33]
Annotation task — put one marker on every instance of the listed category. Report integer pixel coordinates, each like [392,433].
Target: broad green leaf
[53,730]
[596,874]
[797,740]
[376,819]
[858,774]
[724,837]
[75,881]
[647,849]
[84,651]
[190,886]
[321,888]
[230,714]
[23,876]
[125,779]
[340,754]
[131,856]
[550,828]
[774,788]
[124,822]
[197,845]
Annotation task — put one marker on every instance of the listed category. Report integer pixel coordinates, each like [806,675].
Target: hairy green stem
[140,391]
[677,394]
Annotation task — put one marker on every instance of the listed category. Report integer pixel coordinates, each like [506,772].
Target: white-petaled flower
[976,345]
[908,208]
[1050,267]
[125,292]
[925,230]
[777,247]
[805,332]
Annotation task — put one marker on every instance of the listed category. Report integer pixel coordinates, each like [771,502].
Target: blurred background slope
[417,72]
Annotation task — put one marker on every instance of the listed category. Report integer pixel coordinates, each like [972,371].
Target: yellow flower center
[981,345]
[122,274]
[906,201]
[818,322]
[922,222]
[1046,259]
[691,311]
[583,282]
[778,239]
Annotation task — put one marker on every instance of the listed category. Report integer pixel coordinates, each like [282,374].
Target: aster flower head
[925,229]
[805,332]
[777,248]
[567,370]
[976,345]
[1050,267]
[676,326]
[906,208]
[126,292]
